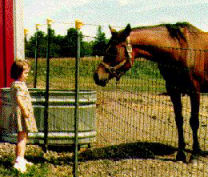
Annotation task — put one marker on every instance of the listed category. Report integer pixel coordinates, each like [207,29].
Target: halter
[129,50]
[113,69]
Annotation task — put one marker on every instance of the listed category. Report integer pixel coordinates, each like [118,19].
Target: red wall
[6,41]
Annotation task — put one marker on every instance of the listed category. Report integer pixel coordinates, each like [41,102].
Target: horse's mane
[175,30]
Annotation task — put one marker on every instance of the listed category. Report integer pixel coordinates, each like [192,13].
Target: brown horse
[181,53]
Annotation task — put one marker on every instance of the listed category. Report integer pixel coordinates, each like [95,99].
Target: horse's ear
[113,31]
[126,31]
[128,28]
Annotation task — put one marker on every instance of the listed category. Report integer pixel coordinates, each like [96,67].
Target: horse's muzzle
[98,81]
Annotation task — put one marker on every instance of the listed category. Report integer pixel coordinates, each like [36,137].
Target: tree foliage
[100,43]
[65,46]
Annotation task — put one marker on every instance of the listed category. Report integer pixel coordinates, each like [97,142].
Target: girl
[22,119]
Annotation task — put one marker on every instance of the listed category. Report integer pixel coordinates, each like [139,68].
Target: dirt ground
[142,128]
[137,137]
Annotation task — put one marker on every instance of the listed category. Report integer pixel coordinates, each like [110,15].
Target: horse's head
[117,59]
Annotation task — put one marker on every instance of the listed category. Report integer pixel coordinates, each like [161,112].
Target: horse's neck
[152,37]
[148,42]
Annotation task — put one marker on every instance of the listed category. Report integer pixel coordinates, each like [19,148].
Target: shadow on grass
[36,159]
[139,150]
[6,162]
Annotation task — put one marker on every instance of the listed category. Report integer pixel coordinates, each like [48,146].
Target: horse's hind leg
[194,123]
[176,100]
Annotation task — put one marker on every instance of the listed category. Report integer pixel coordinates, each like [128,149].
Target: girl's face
[24,75]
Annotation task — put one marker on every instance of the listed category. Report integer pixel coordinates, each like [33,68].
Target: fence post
[78,25]
[36,56]
[25,37]
[49,21]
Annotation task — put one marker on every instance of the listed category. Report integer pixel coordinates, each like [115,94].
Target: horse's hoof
[194,158]
[181,156]
[195,155]
[193,162]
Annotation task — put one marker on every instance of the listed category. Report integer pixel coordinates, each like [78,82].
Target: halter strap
[112,69]
[129,50]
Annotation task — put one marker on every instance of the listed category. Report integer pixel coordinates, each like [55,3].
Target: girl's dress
[18,122]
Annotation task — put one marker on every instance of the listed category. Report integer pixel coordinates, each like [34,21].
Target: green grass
[143,76]
[45,165]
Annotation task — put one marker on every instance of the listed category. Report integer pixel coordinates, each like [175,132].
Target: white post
[19,47]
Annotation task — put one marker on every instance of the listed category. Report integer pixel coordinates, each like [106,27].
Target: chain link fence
[136,134]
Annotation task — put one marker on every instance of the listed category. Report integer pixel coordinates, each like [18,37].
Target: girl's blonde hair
[17,68]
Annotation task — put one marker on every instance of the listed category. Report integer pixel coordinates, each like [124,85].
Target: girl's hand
[25,114]
[24,110]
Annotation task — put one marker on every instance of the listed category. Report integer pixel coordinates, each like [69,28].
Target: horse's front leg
[194,123]
[176,100]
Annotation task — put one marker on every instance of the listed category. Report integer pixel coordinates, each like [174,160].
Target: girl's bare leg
[21,144]
[20,163]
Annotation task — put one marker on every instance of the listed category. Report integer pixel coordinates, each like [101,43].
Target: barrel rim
[40,91]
